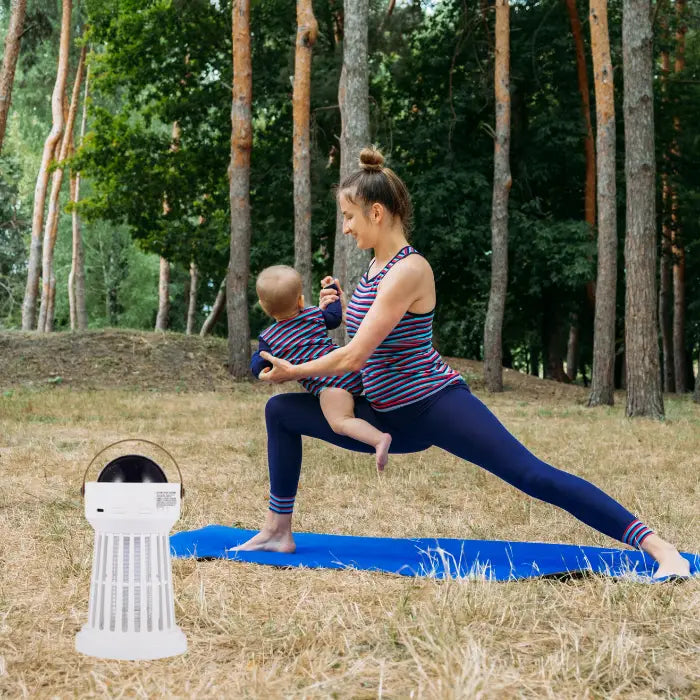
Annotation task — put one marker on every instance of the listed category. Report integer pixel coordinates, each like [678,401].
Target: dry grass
[261,632]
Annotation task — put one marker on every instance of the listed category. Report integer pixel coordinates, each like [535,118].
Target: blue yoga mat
[438,558]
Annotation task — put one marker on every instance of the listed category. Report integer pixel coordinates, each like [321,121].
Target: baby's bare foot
[268,541]
[382,453]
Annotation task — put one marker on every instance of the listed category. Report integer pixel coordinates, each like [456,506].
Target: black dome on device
[132,469]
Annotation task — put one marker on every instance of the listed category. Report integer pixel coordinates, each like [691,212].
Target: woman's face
[356,224]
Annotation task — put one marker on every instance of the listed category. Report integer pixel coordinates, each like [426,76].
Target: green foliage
[154,63]
[157,64]
[12,229]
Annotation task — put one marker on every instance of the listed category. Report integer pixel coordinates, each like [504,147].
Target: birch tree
[192,298]
[163,315]
[50,145]
[216,309]
[48,277]
[76,277]
[350,263]
[644,396]
[603,372]
[239,192]
[493,327]
[307,32]
[163,295]
[13,39]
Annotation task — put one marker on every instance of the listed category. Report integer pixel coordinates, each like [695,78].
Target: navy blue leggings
[455,420]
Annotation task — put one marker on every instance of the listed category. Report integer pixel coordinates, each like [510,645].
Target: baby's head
[279,291]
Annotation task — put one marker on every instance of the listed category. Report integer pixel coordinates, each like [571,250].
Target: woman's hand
[281,371]
[328,296]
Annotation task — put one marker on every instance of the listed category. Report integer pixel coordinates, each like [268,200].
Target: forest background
[156,63]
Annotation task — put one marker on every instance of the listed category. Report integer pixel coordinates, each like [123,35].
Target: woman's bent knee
[277,407]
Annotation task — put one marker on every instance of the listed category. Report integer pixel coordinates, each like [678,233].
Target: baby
[299,335]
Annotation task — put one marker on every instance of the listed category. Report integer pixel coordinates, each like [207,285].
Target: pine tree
[493,327]
[602,382]
[350,262]
[239,173]
[13,40]
[644,396]
[51,144]
[307,31]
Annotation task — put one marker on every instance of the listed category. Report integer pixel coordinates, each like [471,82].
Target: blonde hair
[375,183]
[278,288]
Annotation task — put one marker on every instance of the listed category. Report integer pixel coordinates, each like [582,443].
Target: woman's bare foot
[266,541]
[276,536]
[671,563]
[382,451]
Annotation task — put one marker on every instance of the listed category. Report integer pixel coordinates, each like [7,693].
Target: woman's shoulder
[413,264]
[411,276]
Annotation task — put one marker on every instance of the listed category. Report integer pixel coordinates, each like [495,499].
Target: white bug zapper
[131,613]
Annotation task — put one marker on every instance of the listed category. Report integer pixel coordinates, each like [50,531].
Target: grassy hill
[129,359]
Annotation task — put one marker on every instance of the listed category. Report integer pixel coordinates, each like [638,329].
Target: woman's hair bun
[371,160]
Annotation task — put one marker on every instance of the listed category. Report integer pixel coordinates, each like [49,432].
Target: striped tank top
[304,338]
[405,367]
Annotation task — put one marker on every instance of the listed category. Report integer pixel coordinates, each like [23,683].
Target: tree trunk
[341,243]
[216,310]
[665,310]
[48,289]
[162,317]
[239,173]
[9,62]
[678,254]
[76,278]
[602,371]
[493,327]
[534,361]
[163,296]
[666,297]
[572,351]
[307,31]
[32,288]
[589,145]
[192,305]
[349,262]
[679,358]
[110,264]
[644,396]
[589,152]
[552,340]
[336,20]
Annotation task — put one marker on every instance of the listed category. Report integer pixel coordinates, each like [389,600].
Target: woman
[409,391]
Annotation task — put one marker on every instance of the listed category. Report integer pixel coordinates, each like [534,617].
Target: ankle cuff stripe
[636,533]
[281,505]
[642,536]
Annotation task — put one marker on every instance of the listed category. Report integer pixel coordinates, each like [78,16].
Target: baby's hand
[328,296]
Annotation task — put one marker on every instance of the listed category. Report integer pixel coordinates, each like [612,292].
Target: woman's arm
[403,285]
